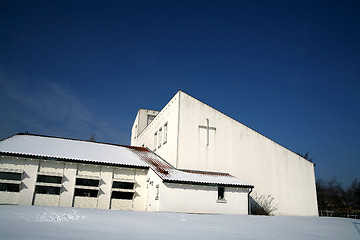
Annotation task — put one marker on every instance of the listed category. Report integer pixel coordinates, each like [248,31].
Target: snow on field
[44,223]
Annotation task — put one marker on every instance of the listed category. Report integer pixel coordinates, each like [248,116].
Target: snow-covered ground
[45,223]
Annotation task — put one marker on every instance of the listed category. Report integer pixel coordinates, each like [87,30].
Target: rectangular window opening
[9,187]
[87,182]
[10,176]
[122,195]
[165,132]
[150,118]
[160,135]
[86,192]
[221,193]
[47,190]
[49,179]
[123,185]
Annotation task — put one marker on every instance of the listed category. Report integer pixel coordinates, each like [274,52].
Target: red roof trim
[205,172]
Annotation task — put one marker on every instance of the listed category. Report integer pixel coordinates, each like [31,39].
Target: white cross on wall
[208,128]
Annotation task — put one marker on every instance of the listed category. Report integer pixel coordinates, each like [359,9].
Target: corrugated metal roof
[62,148]
[71,149]
[169,173]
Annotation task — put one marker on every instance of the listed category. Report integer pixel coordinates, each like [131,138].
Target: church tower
[190,134]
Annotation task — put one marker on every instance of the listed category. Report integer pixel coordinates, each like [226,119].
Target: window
[122,195]
[221,193]
[85,192]
[127,194]
[150,118]
[87,182]
[47,190]
[10,176]
[160,135]
[165,132]
[86,187]
[9,187]
[46,184]
[10,181]
[123,185]
[49,179]
[155,140]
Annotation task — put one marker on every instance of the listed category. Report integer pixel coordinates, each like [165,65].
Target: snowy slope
[44,223]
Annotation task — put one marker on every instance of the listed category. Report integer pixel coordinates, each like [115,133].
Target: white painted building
[51,171]
[192,135]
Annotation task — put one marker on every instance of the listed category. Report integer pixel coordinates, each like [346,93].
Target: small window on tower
[165,132]
[150,118]
[160,135]
[155,140]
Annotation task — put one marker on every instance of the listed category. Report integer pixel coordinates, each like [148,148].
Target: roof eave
[40,157]
[208,184]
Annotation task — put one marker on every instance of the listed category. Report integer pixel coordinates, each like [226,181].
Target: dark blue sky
[288,69]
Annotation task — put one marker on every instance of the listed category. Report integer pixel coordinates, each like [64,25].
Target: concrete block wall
[69,171]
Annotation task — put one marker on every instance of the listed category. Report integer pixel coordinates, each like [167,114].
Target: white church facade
[52,171]
[189,134]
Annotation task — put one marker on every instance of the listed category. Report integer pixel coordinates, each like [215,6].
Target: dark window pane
[47,190]
[150,118]
[9,187]
[123,185]
[221,191]
[10,176]
[87,182]
[49,179]
[122,195]
[86,192]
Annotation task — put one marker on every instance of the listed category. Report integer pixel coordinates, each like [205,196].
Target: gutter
[249,203]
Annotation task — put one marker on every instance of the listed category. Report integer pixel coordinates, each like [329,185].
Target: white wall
[246,154]
[15,165]
[140,198]
[235,149]
[188,198]
[106,176]
[69,171]
[28,182]
[175,197]
[169,115]
[153,191]
[68,183]
[140,122]
[151,194]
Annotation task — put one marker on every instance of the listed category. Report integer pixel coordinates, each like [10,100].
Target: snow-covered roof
[71,149]
[169,173]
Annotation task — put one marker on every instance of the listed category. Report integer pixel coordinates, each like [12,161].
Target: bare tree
[334,200]
[263,205]
[92,138]
[306,156]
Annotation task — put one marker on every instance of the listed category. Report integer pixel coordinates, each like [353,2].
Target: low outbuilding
[53,171]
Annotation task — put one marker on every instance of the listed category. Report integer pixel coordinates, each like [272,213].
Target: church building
[189,134]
